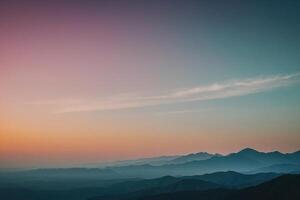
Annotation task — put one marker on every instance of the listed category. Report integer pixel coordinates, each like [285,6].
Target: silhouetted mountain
[162,160]
[186,185]
[135,181]
[193,157]
[155,161]
[233,179]
[168,184]
[244,161]
[270,158]
[133,189]
[284,187]
[107,189]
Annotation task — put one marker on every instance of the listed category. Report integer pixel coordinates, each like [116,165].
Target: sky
[94,81]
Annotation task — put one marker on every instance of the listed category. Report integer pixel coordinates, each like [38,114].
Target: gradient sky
[92,81]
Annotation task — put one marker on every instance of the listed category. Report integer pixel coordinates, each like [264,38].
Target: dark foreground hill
[79,189]
[217,186]
[281,188]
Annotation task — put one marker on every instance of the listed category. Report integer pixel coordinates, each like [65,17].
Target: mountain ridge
[246,160]
[283,187]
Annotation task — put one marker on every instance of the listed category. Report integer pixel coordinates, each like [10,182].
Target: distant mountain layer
[162,160]
[233,179]
[193,176]
[284,187]
[193,157]
[279,168]
[247,160]
[244,161]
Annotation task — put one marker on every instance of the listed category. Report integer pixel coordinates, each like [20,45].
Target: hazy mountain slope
[270,158]
[284,187]
[278,168]
[162,160]
[193,157]
[61,174]
[156,161]
[228,179]
[134,189]
[169,184]
[243,161]
[236,180]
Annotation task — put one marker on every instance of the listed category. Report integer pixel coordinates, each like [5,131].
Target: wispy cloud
[232,88]
[178,112]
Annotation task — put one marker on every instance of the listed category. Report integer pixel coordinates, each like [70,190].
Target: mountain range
[157,161]
[241,175]
[245,161]
[248,161]
[218,186]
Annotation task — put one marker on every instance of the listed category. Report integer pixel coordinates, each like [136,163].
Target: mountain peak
[248,150]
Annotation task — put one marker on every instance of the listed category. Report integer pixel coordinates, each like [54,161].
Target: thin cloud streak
[176,112]
[223,90]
